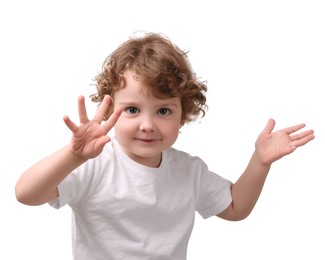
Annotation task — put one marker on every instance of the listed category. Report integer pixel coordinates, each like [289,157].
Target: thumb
[269,126]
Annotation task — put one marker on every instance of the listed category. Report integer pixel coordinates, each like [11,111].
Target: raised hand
[89,138]
[271,146]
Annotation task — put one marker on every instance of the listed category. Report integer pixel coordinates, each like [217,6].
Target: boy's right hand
[90,137]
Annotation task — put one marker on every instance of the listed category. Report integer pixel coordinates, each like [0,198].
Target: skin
[145,126]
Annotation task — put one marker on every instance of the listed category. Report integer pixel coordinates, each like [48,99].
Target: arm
[269,147]
[38,184]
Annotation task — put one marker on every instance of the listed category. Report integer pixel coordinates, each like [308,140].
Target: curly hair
[160,64]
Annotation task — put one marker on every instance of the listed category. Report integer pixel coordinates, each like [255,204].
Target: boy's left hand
[271,146]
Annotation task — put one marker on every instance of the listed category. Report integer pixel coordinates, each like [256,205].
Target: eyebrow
[168,104]
[163,104]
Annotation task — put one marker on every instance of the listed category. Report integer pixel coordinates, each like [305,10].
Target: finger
[72,126]
[83,118]
[102,109]
[101,143]
[304,140]
[111,121]
[301,135]
[292,129]
[269,126]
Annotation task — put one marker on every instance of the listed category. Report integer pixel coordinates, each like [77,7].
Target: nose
[147,124]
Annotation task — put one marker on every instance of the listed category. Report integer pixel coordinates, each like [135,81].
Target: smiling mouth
[148,141]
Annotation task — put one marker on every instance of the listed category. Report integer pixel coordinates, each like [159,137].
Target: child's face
[147,125]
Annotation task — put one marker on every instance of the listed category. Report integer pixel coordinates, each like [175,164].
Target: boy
[132,195]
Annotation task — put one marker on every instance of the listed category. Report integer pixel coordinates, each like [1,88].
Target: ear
[182,123]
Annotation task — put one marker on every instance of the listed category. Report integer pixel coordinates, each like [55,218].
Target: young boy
[132,195]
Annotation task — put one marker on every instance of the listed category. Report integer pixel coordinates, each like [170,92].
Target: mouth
[147,141]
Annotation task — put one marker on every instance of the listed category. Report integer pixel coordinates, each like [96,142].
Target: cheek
[122,127]
[170,129]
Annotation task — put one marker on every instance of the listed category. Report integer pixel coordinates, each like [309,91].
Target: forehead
[135,90]
[134,82]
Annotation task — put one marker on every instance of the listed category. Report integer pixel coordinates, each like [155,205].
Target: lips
[147,140]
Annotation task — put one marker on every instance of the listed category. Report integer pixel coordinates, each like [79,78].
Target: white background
[261,59]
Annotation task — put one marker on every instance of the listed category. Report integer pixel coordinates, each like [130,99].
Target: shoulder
[181,157]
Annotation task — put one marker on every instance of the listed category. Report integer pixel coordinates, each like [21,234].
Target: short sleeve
[75,186]
[67,190]
[213,193]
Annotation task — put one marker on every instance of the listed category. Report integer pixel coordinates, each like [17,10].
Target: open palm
[89,138]
[272,146]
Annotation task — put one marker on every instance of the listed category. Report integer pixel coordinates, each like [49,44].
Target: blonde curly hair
[159,63]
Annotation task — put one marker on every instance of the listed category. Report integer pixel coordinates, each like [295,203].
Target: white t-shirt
[124,210]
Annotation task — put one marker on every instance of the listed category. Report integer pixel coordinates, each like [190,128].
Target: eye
[132,110]
[164,111]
